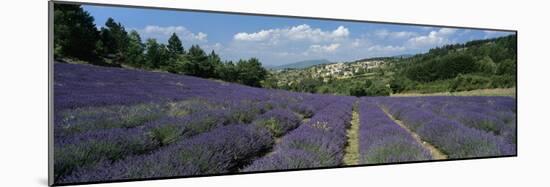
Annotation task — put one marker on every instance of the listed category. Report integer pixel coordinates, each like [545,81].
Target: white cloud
[382,33]
[216,47]
[426,28]
[394,35]
[435,37]
[283,54]
[304,42]
[403,34]
[356,43]
[200,36]
[324,48]
[388,48]
[163,33]
[446,31]
[302,32]
[341,31]
[258,36]
[287,44]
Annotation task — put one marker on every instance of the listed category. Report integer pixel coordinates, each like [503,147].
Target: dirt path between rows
[351,154]
[436,153]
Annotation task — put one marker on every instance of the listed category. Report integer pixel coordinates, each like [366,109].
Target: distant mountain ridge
[301,64]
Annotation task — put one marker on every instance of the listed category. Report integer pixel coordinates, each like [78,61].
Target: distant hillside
[477,64]
[384,58]
[301,64]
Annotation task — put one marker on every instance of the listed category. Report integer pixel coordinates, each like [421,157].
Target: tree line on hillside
[76,36]
[477,64]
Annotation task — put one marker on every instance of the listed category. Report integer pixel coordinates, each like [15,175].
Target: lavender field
[118,124]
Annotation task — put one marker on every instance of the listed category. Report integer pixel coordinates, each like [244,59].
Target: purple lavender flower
[278,121]
[382,141]
[215,152]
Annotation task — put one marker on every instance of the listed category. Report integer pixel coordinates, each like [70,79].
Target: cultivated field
[116,124]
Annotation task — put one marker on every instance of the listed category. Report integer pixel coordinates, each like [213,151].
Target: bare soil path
[436,153]
[351,154]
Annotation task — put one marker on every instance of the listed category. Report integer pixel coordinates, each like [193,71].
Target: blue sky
[279,40]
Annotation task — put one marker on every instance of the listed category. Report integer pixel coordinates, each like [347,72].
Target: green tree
[75,34]
[156,54]
[469,82]
[439,68]
[198,63]
[400,83]
[369,88]
[228,71]
[357,90]
[309,85]
[377,88]
[215,61]
[135,51]
[177,64]
[115,41]
[174,45]
[251,72]
[486,65]
[507,67]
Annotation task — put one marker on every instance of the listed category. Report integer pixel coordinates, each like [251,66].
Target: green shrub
[469,82]
[503,81]
[507,67]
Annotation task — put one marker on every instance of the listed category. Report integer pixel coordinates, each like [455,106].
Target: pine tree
[198,64]
[75,34]
[154,53]
[115,41]
[174,45]
[215,61]
[251,72]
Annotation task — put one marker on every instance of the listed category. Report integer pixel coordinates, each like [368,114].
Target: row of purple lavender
[384,141]
[452,136]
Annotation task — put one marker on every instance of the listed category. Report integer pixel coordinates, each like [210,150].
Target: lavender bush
[97,118]
[219,151]
[278,121]
[382,141]
[321,139]
[452,137]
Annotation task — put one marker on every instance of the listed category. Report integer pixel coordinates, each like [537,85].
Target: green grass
[510,92]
